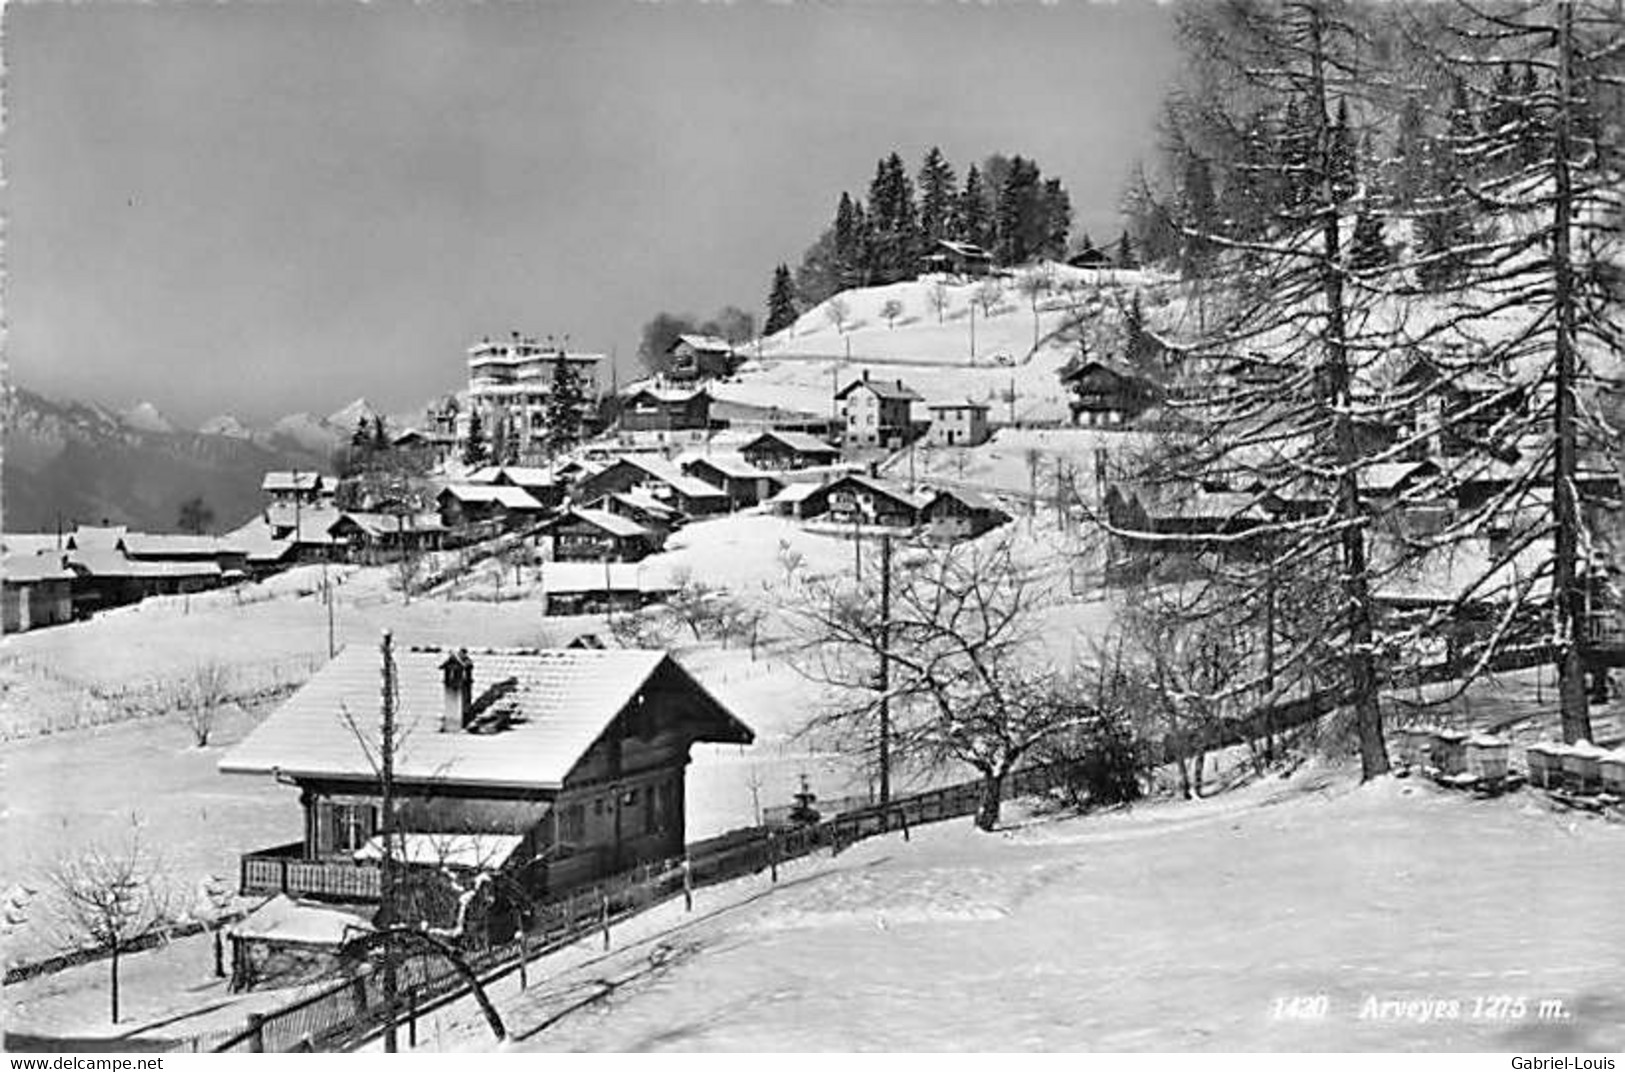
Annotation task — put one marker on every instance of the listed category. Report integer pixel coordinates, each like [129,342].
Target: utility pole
[973,331]
[386,824]
[885,674]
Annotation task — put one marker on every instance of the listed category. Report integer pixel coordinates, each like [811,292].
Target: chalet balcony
[284,869]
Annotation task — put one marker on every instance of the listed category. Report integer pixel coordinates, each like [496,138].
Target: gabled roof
[561,701]
[507,497]
[733,465]
[34,569]
[1077,370]
[972,499]
[669,395]
[155,545]
[800,442]
[707,343]
[895,390]
[667,473]
[379,524]
[882,487]
[964,249]
[528,476]
[614,524]
[567,578]
[311,522]
[485,474]
[295,480]
[794,493]
[637,501]
[88,537]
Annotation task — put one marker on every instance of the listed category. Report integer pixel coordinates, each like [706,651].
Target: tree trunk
[113,971]
[1196,773]
[987,809]
[1184,777]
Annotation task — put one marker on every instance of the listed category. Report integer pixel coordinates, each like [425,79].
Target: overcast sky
[268,207]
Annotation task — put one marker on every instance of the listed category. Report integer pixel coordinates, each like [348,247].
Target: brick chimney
[457,674]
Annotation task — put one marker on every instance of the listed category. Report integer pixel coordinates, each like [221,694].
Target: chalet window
[598,806]
[345,827]
[573,825]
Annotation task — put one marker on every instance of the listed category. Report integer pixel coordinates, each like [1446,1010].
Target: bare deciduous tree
[938,296]
[950,657]
[201,696]
[836,311]
[890,311]
[111,895]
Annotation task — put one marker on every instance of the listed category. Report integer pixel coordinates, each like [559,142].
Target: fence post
[902,817]
[603,915]
[688,885]
[773,855]
[524,957]
[412,1017]
[256,1027]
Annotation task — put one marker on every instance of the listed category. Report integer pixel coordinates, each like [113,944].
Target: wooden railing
[283,870]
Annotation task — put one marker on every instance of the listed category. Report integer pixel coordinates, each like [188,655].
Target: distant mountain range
[82,462]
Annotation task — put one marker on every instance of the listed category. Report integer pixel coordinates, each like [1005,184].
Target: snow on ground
[1014,348]
[1168,926]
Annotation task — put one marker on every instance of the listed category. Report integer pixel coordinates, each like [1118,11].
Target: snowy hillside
[1014,351]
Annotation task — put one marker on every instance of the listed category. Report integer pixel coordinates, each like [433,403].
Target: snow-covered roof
[638,501]
[34,568]
[29,543]
[296,480]
[800,442]
[527,476]
[893,389]
[887,488]
[964,249]
[733,465]
[708,343]
[485,474]
[445,850]
[973,499]
[667,473]
[311,522]
[87,537]
[959,403]
[111,562]
[565,578]
[165,545]
[562,700]
[379,524]
[614,524]
[507,497]
[671,395]
[282,919]
[794,493]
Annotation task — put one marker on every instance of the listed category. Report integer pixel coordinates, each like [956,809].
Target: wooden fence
[354,1009]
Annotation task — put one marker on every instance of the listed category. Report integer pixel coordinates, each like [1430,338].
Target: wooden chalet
[959,258]
[665,409]
[373,538]
[585,535]
[36,590]
[499,505]
[547,768]
[659,517]
[541,484]
[701,357]
[599,588]
[306,528]
[298,485]
[866,501]
[1104,395]
[789,450]
[960,515]
[743,483]
[659,479]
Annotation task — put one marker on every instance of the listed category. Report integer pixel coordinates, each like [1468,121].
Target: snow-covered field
[1403,916]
